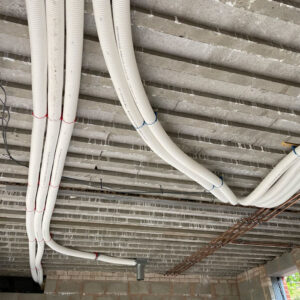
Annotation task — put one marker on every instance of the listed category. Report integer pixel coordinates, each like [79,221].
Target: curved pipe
[74,21]
[55,34]
[270,179]
[103,17]
[121,9]
[38,43]
[290,181]
[121,12]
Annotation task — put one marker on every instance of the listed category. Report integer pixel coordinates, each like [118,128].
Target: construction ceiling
[224,78]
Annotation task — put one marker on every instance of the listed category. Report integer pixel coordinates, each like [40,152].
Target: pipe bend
[123,33]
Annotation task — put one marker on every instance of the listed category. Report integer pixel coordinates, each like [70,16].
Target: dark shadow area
[18,285]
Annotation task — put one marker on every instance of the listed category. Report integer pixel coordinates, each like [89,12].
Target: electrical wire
[5,118]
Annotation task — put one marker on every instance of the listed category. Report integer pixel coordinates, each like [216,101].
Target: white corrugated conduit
[174,156]
[74,26]
[38,45]
[265,195]
[117,47]
[56,36]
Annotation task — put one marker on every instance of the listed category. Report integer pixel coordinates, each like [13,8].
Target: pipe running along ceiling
[46,27]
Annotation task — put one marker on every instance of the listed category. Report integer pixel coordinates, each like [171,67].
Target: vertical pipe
[38,46]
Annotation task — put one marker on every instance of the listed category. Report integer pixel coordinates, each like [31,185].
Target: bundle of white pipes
[59,129]
[117,47]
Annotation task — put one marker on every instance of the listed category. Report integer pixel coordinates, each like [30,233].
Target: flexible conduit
[74,26]
[56,34]
[38,45]
[124,73]
[121,12]
[103,18]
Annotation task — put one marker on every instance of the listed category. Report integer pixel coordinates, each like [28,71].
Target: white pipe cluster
[59,129]
[117,47]
[55,34]
[116,42]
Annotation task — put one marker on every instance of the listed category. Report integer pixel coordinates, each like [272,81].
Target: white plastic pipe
[287,185]
[124,40]
[74,25]
[38,45]
[55,34]
[271,178]
[121,12]
[103,17]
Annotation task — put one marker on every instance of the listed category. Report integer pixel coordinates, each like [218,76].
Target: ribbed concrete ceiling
[223,76]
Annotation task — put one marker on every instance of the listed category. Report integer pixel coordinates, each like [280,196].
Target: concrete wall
[296,257]
[255,285]
[282,266]
[113,286]
[121,290]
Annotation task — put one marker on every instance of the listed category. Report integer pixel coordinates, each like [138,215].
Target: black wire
[5,118]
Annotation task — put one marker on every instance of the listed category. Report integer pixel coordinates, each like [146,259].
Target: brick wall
[287,293]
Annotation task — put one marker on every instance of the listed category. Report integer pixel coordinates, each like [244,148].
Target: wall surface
[255,285]
[112,287]
[283,265]
[296,257]
[157,287]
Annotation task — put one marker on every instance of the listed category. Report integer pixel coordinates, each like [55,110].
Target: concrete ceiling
[223,76]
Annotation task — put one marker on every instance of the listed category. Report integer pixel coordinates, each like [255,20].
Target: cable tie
[211,189]
[97,254]
[54,186]
[67,121]
[40,211]
[49,239]
[29,210]
[141,126]
[38,117]
[294,150]
[152,123]
[217,187]
[42,240]
[54,120]
[32,241]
